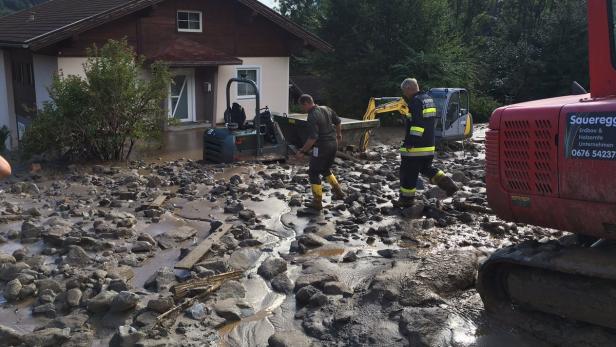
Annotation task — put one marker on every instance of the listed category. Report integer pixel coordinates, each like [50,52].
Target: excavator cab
[455,122]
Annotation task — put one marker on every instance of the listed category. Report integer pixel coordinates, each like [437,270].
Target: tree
[377,46]
[307,13]
[512,50]
[103,115]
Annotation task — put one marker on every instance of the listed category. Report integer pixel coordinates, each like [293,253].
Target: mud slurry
[87,258]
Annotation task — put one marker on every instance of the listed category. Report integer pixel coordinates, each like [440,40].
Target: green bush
[101,116]
[482,107]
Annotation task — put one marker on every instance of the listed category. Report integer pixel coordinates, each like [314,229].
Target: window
[246,91]
[190,21]
[23,74]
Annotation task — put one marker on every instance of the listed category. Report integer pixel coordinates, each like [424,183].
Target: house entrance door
[182,96]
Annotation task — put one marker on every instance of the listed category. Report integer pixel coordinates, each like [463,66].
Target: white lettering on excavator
[607,121]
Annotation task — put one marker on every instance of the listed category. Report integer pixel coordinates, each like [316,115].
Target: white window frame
[192,102]
[258,81]
[177,21]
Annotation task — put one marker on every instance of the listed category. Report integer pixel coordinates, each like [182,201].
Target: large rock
[9,272]
[272,267]
[73,321]
[29,230]
[101,302]
[228,310]
[317,280]
[124,301]
[146,319]
[337,288]
[163,279]
[231,290]
[12,289]
[10,337]
[282,284]
[247,215]
[80,339]
[289,339]
[142,247]
[312,240]
[161,304]
[77,256]
[6,258]
[198,311]
[244,259]
[47,310]
[50,337]
[49,284]
[305,293]
[126,336]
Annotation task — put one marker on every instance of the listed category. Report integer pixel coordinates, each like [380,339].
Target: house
[204,42]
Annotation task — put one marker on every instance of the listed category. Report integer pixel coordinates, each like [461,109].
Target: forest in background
[502,51]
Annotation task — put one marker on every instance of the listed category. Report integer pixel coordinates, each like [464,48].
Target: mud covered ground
[87,256]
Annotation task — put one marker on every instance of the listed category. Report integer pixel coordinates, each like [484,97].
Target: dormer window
[190,21]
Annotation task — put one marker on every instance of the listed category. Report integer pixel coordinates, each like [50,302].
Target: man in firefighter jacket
[418,149]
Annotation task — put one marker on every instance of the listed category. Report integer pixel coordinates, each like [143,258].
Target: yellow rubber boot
[445,183]
[336,189]
[317,197]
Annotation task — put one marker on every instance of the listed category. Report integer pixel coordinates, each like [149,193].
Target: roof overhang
[185,52]
[85,24]
[88,23]
[288,25]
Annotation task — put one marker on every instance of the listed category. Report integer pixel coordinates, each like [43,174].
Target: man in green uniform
[418,149]
[324,134]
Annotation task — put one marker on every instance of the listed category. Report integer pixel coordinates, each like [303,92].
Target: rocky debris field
[88,256]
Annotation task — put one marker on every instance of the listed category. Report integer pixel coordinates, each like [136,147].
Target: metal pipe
[257,120]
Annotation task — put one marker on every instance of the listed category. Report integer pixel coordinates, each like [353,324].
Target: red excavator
[552,163]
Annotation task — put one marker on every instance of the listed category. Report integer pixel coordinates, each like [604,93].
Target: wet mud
[88,260]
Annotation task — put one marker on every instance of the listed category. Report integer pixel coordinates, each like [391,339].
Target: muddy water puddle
[19,316]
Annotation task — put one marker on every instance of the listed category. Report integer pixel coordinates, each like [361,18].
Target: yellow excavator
[454,120]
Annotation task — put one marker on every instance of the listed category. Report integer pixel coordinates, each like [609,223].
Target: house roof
[185,52]
[56,20]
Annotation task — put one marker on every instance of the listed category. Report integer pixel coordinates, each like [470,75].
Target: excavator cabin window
[453,109]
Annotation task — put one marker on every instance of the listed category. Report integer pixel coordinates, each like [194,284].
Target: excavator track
[569,286]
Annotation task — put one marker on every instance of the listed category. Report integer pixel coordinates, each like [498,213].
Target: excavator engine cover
[551,163]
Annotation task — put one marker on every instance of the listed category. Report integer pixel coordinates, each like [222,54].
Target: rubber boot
[317,197]
[338,194]
[404,202]
[445,183]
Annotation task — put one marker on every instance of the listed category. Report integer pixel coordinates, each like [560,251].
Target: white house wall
[71,66]
[6,115]
[274,86]
[45,67]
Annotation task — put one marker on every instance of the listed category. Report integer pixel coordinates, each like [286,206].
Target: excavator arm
[392,105]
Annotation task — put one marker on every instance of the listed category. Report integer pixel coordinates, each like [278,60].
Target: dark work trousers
[321,164]
[410,167]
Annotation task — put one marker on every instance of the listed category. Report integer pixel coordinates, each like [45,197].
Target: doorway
[182,95]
